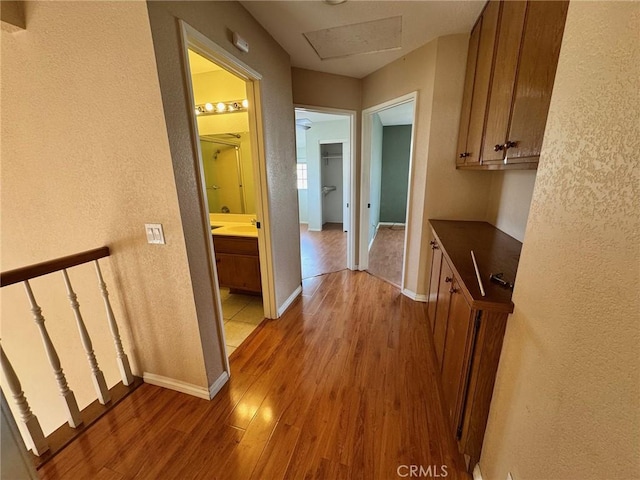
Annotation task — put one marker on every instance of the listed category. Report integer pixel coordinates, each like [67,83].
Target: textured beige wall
[438,190]
[566,401]
[216,20]
[85,163]
[321,89]
[510,200]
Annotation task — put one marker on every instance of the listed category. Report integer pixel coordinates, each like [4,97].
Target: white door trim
[192,39]
[351,236]
[365,178]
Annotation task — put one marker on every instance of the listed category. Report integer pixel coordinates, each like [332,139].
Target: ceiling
[422,21]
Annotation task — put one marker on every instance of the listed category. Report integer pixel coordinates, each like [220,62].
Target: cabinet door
[472,57]
[434,282]
[239,271]
[540,50]
[442,309]
[484,65]
[457,353]
[504,77]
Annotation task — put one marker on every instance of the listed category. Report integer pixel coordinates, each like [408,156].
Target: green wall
[396,149]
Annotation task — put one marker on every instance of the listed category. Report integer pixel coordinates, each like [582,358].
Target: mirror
[228,172]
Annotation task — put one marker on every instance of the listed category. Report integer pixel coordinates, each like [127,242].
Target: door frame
[365,179]
[196,41]
[352,115]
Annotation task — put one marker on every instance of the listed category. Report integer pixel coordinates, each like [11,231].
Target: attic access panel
[358,38]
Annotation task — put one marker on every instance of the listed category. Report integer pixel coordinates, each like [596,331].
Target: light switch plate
[155,234]
[509,476]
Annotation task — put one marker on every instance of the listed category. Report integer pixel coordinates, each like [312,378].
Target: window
[301,170]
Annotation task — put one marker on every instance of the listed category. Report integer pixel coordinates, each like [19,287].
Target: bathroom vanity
[235,242]
[238,263]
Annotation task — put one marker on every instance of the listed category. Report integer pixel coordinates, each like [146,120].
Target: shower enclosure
[225,172]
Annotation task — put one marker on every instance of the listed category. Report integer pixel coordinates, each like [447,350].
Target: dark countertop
[495,252]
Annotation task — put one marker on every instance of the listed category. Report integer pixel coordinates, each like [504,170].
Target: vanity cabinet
[516,94]
[468,327]
[238,263]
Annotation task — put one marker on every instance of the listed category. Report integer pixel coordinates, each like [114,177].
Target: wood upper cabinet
[526,50]
[476,86]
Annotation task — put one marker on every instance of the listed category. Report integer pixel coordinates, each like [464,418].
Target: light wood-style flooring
[385,256]
[343,386]
[323,252]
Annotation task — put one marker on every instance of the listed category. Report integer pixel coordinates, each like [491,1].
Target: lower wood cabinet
[238,263]
[457,352]
[468,327]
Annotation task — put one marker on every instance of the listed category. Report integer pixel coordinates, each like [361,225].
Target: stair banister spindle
[97,376]
[65,392]
[123,361]
[39,443]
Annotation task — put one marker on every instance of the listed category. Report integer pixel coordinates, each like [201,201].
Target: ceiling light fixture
[334,2]
[217,108]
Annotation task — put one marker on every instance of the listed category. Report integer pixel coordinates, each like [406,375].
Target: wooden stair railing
[45,448]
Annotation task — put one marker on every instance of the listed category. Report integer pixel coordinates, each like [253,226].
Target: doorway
[325,158]
[386,172]
[226,132]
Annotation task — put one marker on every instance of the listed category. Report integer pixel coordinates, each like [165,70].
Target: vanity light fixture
[218,108]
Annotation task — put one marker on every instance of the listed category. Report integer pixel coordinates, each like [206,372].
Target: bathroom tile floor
[241,314]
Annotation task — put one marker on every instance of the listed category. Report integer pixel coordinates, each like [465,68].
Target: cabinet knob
[453,290]
[434,245]
[448,279]
[464,154]
[510,144]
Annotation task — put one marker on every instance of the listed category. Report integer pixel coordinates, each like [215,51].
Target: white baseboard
[184,387]
[418,297]
[218,384]
[287,303]
[477,474]
[390,224]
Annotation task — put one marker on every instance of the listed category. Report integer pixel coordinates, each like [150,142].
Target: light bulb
[197,111]
[208,106]
[221,107]
[245,103]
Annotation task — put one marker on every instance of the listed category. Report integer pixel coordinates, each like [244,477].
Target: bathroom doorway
[226,132]
[324,155]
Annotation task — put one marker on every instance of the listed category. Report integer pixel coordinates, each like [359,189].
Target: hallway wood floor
[385,256]
[323,252]
[341,387]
